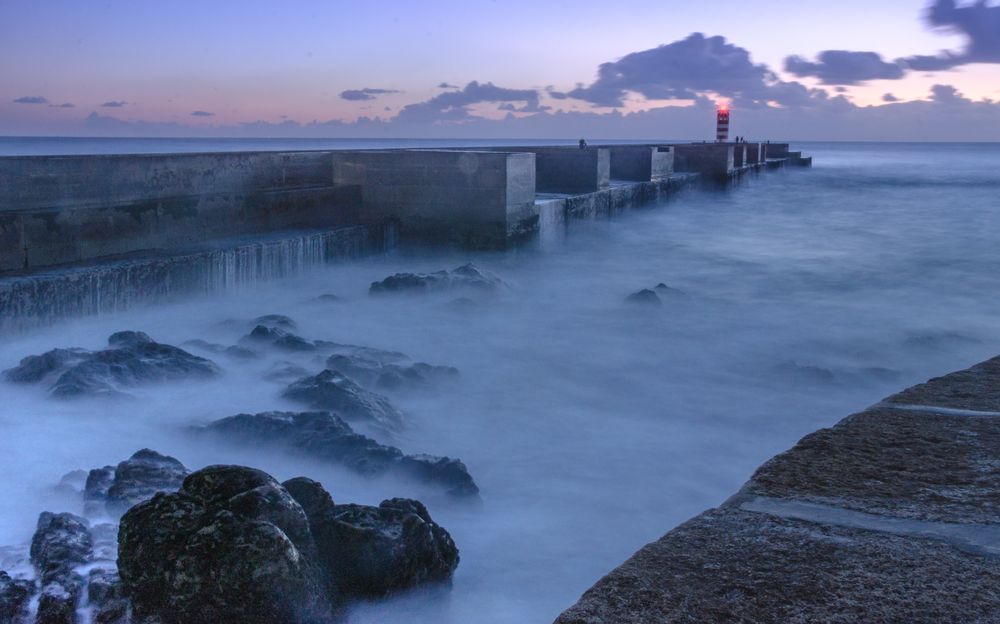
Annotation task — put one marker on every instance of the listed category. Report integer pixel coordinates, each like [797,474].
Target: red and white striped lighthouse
[722,124]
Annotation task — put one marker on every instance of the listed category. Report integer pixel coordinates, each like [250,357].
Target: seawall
[892,515]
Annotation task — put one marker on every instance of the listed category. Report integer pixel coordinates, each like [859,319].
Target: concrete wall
[56,210]
[714,160]
[640,163]
[776,150]
[754,153]
[476,199]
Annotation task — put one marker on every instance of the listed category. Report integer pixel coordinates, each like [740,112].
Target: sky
[630,69]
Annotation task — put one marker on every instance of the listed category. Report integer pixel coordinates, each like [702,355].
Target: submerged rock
[644,297]
[234,545]
[465,276]
[15,594]
[327,437]
[389,376]
[235,352]
[134,480]
[60,545]
[131,359]
[280,339]
[334,392]
[369,552]
[231,546]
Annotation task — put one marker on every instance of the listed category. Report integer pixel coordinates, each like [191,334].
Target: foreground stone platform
[892,515]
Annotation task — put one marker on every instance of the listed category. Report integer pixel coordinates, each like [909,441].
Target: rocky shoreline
[892,515]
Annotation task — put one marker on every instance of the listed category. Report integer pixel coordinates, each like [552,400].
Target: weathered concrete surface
[640,163]
[473,198]
[65,209]
[715,161]
[892,515]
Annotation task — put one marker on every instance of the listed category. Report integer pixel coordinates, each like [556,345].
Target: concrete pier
[892,515]
[641,163]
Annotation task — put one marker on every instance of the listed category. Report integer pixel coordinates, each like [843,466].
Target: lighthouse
[722,124]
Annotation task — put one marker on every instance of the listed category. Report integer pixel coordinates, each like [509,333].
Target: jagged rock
[15,594]
[138,478]
[72,483]
[280,339]
[61,544]
[132,359]
[327,437]
[276,320]
[95,490]
[235,352]
[332,391]
[644,297]
[231,546]
[663,290]
[371,552]
[388,376]
[465,276]
[106,597]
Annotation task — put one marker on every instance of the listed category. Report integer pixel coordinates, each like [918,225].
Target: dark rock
[61,544]
[141,476]
[279,339]
[72,483]
[132,359]
[332,391]
[327,437]
[35,368]
[644,297]
[373,373]
[663,290]
[276,321]
[106,597]
[231,546]
[15,595]
[467,276]
[95,490]
[376,551]
[235,352]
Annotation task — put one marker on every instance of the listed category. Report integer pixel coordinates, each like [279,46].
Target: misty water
[591,426]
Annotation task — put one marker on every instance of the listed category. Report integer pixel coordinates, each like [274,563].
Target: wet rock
[131,359]
[95,489]
[279,321]
[235,352]
[373,373]
[375,551]
[72,483]
[280,339]
[114,489]
[15,594]
[60,545]
[36,368]
[467,276]
[327,437]
[231,546]
[666,291]
[644,297]
[106,597]
[332,391]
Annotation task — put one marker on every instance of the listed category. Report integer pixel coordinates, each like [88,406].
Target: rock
[72,483]
[106,597]
[113,490]
[644,297]
[35,368]
[373,373]
[663,290]
[467,276]
[285,372]
[375,551]
[332,391]
[231,546]
[15,595]
[131,359]
[328,298]
[235,352]
[60,545]
[279,339]
[327,437]
[276,321]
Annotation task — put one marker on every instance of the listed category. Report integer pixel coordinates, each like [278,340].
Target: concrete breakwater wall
[892,515]
[117,212]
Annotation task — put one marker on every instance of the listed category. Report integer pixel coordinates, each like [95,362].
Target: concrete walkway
[892,515]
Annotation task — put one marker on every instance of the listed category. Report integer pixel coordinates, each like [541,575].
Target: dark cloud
[689,69]
[888,97]
[114,104]
[63,105]
[201,113]
[445,85]
[844,67]
[360,95]
[454,105]
[947,94]
[978,21]
[31,99]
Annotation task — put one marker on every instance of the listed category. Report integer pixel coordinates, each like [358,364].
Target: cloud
[114,104]
[689,69]
[888,97]
[454,105]
[445,85]
[360,95]
[63,105]
[31,99]
[979,22]
[201,113]
[844,67]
